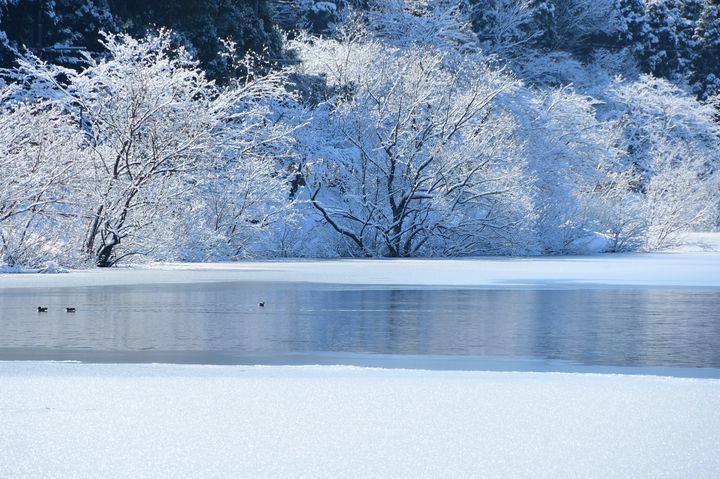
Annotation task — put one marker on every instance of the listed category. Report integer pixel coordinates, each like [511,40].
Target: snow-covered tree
[39,169]
[544,21]
[707,61]
[439,24]
[423,162]
[316,16]
[631,23]
[619,209]
[153,124]
[662,45]
[566,148]
[690,12]
[504,27]
[238,204]
[671,142]
[570,24]
[680,197]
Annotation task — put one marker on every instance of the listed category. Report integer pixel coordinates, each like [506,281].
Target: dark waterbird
[70,310]
[261,304]
[42,309]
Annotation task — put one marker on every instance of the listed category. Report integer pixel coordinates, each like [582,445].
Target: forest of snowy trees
[230,129]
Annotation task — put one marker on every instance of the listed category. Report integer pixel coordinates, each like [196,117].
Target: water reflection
[222,323]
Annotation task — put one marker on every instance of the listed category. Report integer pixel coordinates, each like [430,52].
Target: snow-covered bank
[82,420]
[698,242]
[685,269]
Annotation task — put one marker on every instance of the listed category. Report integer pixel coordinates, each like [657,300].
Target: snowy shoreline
[694,264]
[81,420]
[632,270]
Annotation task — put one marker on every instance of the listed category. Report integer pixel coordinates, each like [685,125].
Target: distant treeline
[674,39]
[59,30]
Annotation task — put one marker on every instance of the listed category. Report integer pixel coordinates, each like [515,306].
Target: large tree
[152,121]
[423,162]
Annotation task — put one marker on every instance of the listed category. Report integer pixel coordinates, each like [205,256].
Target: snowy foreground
[82,420]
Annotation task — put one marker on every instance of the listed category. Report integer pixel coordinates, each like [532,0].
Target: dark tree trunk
[105,253]
[92,232]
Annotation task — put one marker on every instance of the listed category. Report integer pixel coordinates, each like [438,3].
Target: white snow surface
[83,420]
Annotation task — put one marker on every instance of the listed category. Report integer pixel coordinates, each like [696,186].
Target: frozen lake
[301,323]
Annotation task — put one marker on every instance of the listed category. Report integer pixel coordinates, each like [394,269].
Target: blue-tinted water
[221,323]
